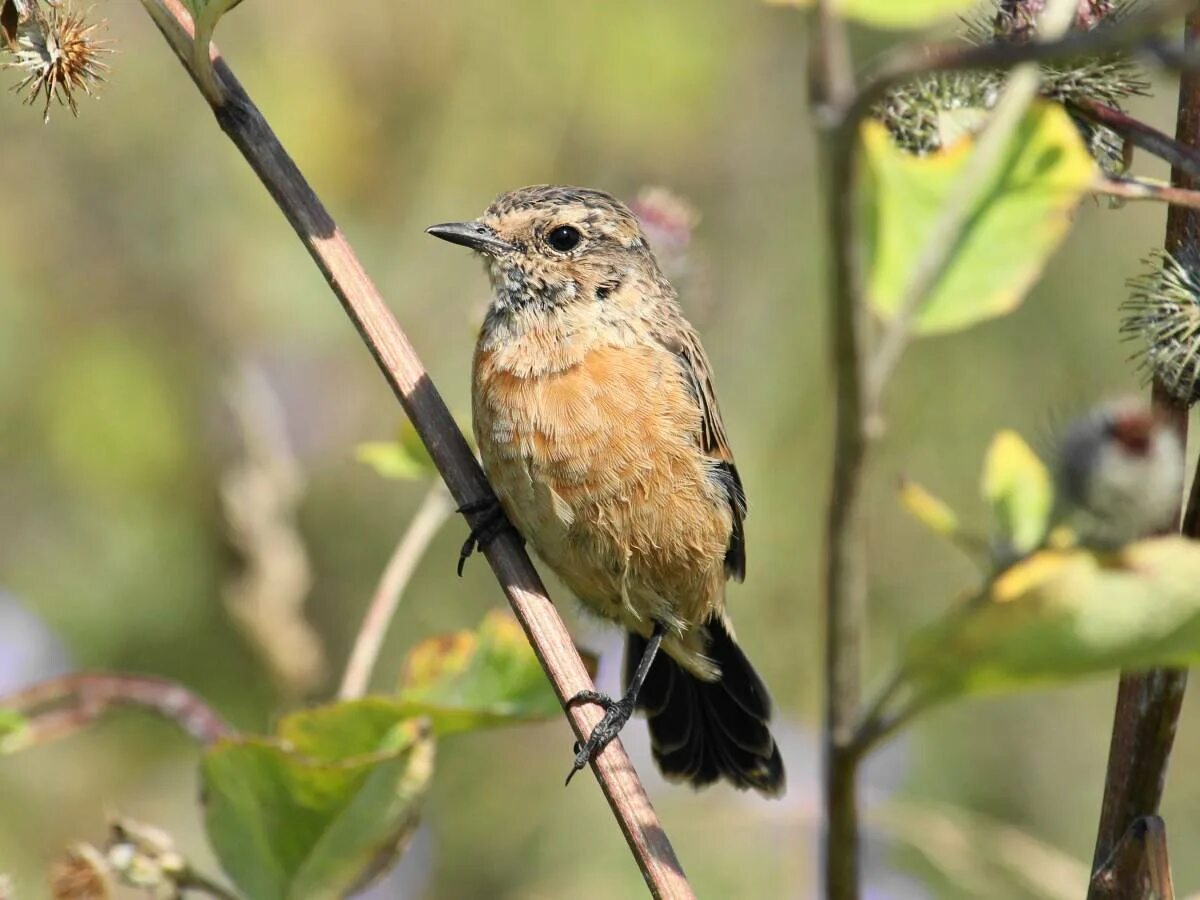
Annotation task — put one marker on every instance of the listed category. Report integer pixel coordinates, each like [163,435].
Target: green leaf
[1062,614]
[321,810]
[478,679]
[1021,219]
[405,458]
[893,13]
[1017,487]
[13,731]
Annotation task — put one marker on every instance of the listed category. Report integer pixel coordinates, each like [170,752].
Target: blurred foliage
[1017,487]
[1055,614]
[890,14]
[405,458]
[478,679]
[322,809]
[1064,613]
[142,261]
[1013,223]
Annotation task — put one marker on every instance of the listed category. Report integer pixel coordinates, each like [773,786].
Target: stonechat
[598,427]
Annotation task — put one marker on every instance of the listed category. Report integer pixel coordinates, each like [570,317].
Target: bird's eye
[564,238]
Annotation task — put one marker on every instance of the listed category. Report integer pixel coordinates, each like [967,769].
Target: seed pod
[59,54]
[1163,312]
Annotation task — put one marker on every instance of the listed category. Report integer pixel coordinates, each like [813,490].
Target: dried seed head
[1016,20]
[59,54]
[1163,311]
[82,874]
[1120,475]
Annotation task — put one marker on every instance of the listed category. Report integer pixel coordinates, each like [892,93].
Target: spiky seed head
[924,112]
[59,53]
[1163,312]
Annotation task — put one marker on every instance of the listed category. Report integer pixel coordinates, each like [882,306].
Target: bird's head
[548,248]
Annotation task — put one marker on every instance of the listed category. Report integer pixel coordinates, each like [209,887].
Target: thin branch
[62,706]
[245,126]
[844,556]
[1143,136]
[840,110]
[1149,703]
[913,60]
[1140,189]
[433,512]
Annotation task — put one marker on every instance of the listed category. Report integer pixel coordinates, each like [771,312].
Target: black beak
[475,235]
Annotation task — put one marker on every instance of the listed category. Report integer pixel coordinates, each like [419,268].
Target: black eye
[564,238]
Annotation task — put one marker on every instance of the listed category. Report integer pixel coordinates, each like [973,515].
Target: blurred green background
[143,270]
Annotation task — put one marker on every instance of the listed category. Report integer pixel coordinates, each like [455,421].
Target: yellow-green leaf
[477,679]
[404,458]
[14,729]
[893,13]
[1017,487]
[927,509]
[323,808]
[1019,221]
[1064,614]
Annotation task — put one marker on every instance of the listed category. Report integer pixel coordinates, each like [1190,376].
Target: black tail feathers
[700,730]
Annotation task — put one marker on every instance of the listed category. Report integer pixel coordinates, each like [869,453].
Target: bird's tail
[704,730]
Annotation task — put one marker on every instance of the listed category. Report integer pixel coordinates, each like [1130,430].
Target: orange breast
[599,468]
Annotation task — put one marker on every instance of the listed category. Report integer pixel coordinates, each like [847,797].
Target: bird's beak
[475,235]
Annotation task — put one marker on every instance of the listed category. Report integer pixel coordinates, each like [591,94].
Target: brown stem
[245,126]
[913,60]
[844,557]
[1143,136]
[1148,703]
[1139,865]
[62,706]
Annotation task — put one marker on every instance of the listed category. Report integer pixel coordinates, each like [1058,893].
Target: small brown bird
[599,430]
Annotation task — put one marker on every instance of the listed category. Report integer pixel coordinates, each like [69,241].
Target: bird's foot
[487,527]
[616,714]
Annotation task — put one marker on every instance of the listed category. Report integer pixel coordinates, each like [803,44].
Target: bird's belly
[598,470]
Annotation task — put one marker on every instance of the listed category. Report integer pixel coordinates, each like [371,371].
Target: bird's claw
[492,521]
[616,714]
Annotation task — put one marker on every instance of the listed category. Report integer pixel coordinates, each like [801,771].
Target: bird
[598,427]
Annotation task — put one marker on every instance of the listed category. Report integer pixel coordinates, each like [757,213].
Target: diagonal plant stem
[433,512]
[1138,133]
[245,126]
[1149,703]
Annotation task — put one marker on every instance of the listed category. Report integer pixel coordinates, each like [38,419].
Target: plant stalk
[246,127]
[1148,703]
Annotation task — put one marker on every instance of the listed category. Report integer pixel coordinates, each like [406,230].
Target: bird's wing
[684,343]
